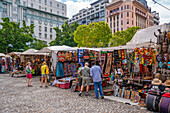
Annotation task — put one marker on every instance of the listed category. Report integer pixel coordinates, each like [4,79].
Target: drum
[152,102]
[164,105]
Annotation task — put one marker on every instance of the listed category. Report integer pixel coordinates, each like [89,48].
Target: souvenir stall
[16,61]
[36,60]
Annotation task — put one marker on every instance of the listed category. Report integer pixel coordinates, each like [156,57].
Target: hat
[156,81]
[44,62]
[158,75]
[167,83]
[87,63]
[28,63]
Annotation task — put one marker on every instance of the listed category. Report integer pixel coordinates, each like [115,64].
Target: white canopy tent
[29,51]
[2,55]
[144,36]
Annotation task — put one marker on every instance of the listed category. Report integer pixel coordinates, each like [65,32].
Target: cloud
[163,13]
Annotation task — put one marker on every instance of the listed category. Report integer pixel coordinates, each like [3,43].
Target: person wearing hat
[29,74]
[156,81]
[85,78]
[167,83]
[44,74]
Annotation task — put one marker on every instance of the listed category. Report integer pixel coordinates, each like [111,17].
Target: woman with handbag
[44,74]
[29,74]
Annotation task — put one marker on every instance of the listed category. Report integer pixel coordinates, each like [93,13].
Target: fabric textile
[59,70]
[86,81]
[43,75]
[96,73]
[85,72]
[96,86]
[79,81]
[164,105]
[29,76]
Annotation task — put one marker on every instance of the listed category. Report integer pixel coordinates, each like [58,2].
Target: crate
[65,85]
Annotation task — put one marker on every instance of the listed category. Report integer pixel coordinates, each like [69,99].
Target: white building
[44,14]
[95,13]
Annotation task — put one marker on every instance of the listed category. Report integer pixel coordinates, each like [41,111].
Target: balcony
[141,14]
[114,13]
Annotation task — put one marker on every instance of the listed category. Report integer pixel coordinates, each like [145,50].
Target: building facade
[122,14]
[156,18]
[95,13]
[44,14]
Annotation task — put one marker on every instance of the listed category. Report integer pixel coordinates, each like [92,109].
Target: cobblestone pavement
[15,96]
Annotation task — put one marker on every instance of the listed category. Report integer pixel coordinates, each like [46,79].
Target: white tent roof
[2,55]
[14,53]
[146,35]
[55,48]
[94,49]
[29,51]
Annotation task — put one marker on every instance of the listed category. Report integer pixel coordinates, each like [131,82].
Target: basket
[65,85]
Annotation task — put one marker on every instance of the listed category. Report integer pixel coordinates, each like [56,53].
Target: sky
[73,7]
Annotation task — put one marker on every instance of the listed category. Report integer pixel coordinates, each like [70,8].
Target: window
[63,14]
[121,15]
[118,17]
[114,17]
[51,37]
[39,35]
[57,12]
[51,10]
[45,36]
[132,15]
[24,11]
[51,30]
[127,14]
[51,3]
[121,22]
[39,1]
[121,29]
[39,7]
[132,7]
[62,7]
[122,8]
[39,28]
[127,21]
[110,19]
[45,9]
[45,29]
[57,5]
[132,22]
[45,1]
[32,20]
[24,3]
[31,5]
[127,6]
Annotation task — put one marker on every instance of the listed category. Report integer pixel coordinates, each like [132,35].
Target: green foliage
[38,44]
[122,37]
[66,35]
[95,34]
[13,37]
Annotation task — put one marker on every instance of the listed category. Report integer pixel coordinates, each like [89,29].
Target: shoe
[86,94]
[103,97]
[80,93]
[40,86]
[46,86]
[97,97]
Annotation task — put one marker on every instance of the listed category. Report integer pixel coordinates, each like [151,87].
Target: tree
[95,34]
[38,44]
[122,37]
[66,35]
[81,35]
[13,37]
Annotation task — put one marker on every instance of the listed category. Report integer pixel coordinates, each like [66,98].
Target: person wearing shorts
[44,74]
[85,78]
[79,76]
[29,74]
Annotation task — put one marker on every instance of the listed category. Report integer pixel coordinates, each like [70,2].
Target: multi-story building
[156,17]
[95,13]
[44,14]
[122,14]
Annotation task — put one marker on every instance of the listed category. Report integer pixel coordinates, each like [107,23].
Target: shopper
[85,78]
[96,73]
[44,74]
[29,74]
[79,76]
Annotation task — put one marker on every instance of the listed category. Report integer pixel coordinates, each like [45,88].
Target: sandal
[40,86]
[46,86]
